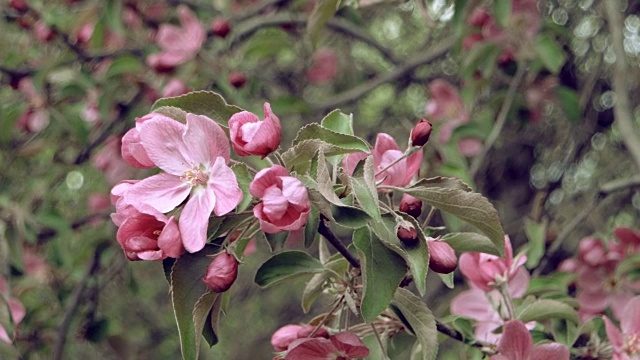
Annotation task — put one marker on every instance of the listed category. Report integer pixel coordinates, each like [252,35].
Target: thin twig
[454,334]
[325,231]
[500,121]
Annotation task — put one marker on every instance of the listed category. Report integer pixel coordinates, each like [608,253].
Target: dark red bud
[221,273]
[220,27]
[408,235]
[237,79]
[420,133]
[19,5]
[411,205]
[479,17]
[442,257]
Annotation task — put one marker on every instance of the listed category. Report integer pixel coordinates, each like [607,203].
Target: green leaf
[416,256]
[536,234]
[315,131]
[502,11]
[298,158]
[211,326]
[322,12]
[364,189]
[338,122]
[201,313]
[447,279]
[481,57]
[126,64]
[442,182]
[550,53]
[311,227]
[458,16]
[206,103]
[471,207]
[172,112]
[420,319]
[382,272]
[325,184]
[277,240]
[334,268]
[244,177]
[569,102]
[545,309]
[187,288]
[349,216]
[286,265]
[468,241]
[226,223]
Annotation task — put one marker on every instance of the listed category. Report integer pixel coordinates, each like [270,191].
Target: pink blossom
[250,136]
[97,203]
[516,343]
[485,270]
[178,44]
[442,257]
[175,87]
[110,161]
[194,158]
[149,235]
[283,337]
[132,150]
[285,203]
[33,120]
[410,205]
[446,105]
[339,346]
[221,273]
[123,210]
[84,33]
[626,343]
[43,32]
[16,310]
[470,146]
[324,67]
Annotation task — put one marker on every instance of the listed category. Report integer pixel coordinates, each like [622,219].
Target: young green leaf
[322,12]
[502,11]
[286,265]
[468,241]
[545,309]
[338,122]
[550,53]
[315,131]
[364,189]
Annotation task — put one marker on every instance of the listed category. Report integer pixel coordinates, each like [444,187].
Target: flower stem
[508,302]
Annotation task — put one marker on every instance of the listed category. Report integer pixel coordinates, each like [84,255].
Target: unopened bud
[19,5]
[411,205]
[237,79]
[220,27]
[420,133]
[221,273]
[407,234]
[442,257]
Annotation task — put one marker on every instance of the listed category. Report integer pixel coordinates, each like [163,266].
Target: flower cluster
[598,284]
[305,342]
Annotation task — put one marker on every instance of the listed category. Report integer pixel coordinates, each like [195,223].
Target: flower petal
[295,192]
[274,204]
[194,219]
[553,351]
[162,139]
[205,140]
[265,178]
[223,182]
[630,321]
[162,192]
[384,142]
[615,336]
[516,342]
[311,349]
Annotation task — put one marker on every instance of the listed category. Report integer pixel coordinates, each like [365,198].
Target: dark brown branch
[454,334]
[325,231]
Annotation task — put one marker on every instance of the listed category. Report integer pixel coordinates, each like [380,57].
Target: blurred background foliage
[68,93]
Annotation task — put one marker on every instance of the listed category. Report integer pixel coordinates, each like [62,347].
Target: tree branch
[325,231]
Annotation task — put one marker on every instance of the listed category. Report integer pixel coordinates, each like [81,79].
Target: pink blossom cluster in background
[599,286]
[16,310]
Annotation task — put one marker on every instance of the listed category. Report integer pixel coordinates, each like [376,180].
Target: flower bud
[221,273]
[420,133]
[19,5]
[478,18]
[411,205]
[237,79]
[220,27]
[407,234]
[442,257]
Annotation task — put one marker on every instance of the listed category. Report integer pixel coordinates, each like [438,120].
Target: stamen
[195,176]
[632,344]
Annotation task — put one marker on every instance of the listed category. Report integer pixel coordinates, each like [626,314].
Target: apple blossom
[343,346]
[516,343]
[626,343]
[132,150]
[220,27]
[285,204]
[194,159]
[250,136]
[446,105]
[284,336]
[175,87]
[324,67]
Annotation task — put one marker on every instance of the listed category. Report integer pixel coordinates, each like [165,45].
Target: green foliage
[419,321]
[286,265]
[545,309]
[206,103]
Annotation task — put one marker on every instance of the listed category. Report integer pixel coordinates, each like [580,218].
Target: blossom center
[195,176]
[632,345]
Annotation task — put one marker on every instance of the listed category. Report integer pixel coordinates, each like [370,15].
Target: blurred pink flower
[250,136]
[43,32]
[175,87]
[97,203]
[194,158]
[517,36]
[178,44]
[516,343]
[33,120]
[342,346]
[485,270]
[626,343]
[110,162]
[446,105]
[285,204]
[16,310]
[149,235]
[470,146]
[283,337]
[324,66]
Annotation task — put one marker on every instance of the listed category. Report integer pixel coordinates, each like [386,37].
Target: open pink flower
[194,157]
[149,235]
[446,105]
[324,67]
[285,204]
[626,344]
[517,344]
[284,336]
[178,44]
[250,136]
[16,309]
[343,346]
[485,270]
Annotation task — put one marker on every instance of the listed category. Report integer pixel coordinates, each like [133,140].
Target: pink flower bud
[237,79]
[42,32]
[221,273]
[478,17]
[407,234]
[19,5]
[250,136]
[442,257]
[283,337]
[175,87]
[411,205]
[420,133]
[220,27]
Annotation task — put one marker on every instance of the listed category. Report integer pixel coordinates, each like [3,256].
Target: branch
[500,121]
[247,28]
[622,107]
[325,231]
[455,334]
